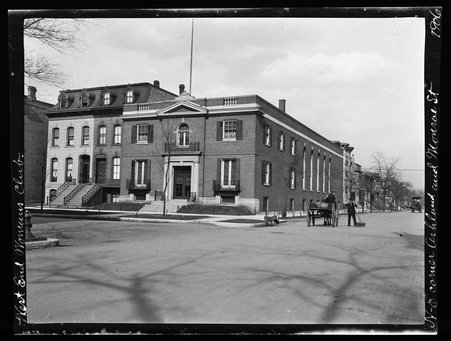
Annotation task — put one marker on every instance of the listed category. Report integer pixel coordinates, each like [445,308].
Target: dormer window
[84,100]
[63,101]
[129,96]
[106,98]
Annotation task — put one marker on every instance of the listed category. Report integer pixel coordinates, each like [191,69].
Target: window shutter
[263,172]
[218,172]
[239,129]
[270,136]
[270,173]
[264,133]
[147,171]
[219,131]
[132,176]
[237,169]
[150,136]
[134,133]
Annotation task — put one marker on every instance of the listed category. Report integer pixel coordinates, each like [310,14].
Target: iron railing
[233,187]
[69,197]
[134,184]
[109,182]
[92,191]
[174,147]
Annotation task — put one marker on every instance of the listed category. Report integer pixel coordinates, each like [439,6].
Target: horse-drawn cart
[328,211]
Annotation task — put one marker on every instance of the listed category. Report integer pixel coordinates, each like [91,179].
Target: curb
[41,244]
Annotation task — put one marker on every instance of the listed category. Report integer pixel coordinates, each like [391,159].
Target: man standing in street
[351,211]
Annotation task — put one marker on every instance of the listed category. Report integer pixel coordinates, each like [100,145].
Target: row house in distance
[35,144]
[85,141]
[238,150]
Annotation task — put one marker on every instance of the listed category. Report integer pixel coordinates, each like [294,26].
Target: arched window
[55,137]
[63,101]
[84,100]
[54,170]
[69,168]
[117,134]
[70,136]
[183,135]
[116,168]
[129,96]
[106,98]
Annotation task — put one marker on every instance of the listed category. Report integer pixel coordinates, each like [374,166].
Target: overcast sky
[359,81]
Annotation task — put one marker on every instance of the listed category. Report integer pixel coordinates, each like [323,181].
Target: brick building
[239,150]
[35,141]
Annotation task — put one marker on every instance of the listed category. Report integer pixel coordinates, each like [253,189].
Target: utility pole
[191,59]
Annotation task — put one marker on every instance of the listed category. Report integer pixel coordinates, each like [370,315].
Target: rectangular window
[303,169]
[54,170]
[229,133]
[228,199]
[292,179]
[291,204]
[115,198]
[143,133]
[70,136]
[69,168]
[292,146]
[267,173]
[281,141]
[324,174]
[102,135]
[228,173]
[55,137]
[140,173]
[317,172]
[328,176]
[116,168]
[311,170]
[265,204]
[267,136]
[85,135]
[117,134]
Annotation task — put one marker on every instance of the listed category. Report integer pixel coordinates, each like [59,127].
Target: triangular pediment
[185,107]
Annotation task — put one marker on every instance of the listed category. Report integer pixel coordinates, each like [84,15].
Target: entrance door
[182,182]
[100,170]
[84,169]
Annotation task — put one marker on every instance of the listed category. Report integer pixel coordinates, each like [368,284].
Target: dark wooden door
[100,170]
[182,182]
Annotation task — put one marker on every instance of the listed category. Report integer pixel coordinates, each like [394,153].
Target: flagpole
[191,60]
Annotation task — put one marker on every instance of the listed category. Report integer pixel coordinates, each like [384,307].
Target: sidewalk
[256,220]
[133,216]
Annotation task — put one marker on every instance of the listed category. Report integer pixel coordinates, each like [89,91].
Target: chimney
[181,88]
[156,84]
[282,105]
[32,93]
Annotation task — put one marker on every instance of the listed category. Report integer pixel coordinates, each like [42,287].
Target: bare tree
[168,133]
[386,169]
[59,34]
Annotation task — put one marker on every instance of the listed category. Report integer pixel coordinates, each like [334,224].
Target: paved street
[115,271]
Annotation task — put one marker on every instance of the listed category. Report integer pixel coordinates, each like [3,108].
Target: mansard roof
[70,100]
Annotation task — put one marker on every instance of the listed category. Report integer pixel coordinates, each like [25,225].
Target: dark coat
[351,207]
